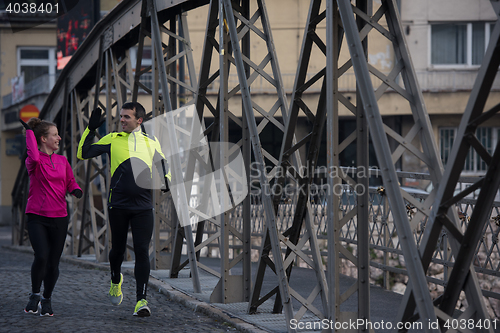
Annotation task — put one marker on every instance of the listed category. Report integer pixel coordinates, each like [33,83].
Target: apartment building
[447,40]
[28,71]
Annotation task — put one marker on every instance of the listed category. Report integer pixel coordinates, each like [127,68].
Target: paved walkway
[383,303]
[80,300]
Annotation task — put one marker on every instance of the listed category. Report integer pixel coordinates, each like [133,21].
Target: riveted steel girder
[294,237]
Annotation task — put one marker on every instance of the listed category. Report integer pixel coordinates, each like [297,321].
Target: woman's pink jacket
[51,177]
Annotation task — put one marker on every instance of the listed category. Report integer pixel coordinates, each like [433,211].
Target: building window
[488,137]
[459,44]
[36,62]
[473,162]
[146,57]
[446,137]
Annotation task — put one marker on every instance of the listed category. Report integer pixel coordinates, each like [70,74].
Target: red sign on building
[28,111]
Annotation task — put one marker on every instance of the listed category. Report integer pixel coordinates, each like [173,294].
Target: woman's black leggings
[47,237]
[141,222]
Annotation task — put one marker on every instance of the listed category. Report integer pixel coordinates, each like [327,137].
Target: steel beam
[259,158]
[362,180]
[289,160]
[174,164]
[384,156]
[332,149]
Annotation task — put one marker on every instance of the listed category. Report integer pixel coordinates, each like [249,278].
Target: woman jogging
[51,177]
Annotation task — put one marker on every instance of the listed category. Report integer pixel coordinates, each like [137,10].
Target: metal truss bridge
[101,74]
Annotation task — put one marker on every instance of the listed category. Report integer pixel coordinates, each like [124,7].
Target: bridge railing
[387,260]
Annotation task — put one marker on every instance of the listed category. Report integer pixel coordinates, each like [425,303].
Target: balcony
[38,86]
[451,80]
[429,81]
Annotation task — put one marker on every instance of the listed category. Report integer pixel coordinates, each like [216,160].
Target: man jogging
[130,197]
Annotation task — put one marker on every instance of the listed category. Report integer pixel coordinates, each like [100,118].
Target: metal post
[415,270]
[362,179]
[175,165]
[259,158]
[247,151]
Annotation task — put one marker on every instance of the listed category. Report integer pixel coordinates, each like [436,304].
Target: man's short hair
[140,112]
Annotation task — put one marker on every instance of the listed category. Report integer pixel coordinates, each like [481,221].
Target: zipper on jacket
[111,189]
[50,158]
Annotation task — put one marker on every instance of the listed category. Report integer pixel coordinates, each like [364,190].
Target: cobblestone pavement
[80,303]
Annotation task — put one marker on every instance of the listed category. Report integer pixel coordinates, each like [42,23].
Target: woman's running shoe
[46,307]
[33,304]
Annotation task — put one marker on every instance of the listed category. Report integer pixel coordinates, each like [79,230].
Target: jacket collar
[44,153]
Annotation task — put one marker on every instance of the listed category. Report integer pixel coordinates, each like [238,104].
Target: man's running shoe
[142,309]
[46,307]
[115,292]
[33,304]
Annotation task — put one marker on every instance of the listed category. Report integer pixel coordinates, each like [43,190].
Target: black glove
[25,125]
[95,119]
[77,193]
